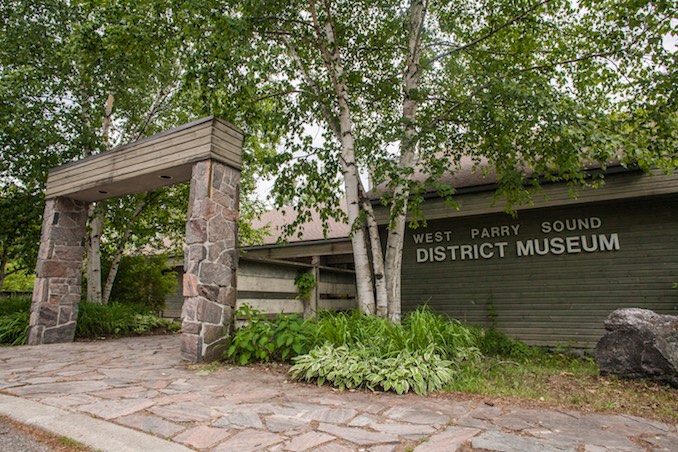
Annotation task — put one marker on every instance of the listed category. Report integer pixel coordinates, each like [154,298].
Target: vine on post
[305,283]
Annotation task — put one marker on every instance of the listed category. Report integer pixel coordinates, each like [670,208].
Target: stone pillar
[56,293]
[210,261]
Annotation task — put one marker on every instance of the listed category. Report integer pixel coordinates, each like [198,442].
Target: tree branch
[488,34]
[331,121]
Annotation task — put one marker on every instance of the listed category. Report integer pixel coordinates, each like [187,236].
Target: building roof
[469,176]
[277,219]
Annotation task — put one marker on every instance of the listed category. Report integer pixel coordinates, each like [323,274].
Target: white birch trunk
[396,232]
[377,258]
[352,184]
[97,216]
[115,264]
[94,254]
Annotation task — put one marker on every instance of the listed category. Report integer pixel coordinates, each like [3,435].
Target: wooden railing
[268,285]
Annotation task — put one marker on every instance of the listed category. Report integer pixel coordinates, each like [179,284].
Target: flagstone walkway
[141,383]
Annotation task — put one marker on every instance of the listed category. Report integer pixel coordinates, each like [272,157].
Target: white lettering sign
[570,245]
[486,250]
[556,245]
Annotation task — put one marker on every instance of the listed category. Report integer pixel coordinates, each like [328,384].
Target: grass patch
[565,381]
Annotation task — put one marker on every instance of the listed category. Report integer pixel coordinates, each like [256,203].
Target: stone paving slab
[142,386]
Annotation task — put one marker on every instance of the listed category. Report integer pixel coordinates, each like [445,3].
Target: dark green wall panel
[554,298]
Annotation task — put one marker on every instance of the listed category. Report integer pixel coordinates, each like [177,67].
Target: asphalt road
[14,440]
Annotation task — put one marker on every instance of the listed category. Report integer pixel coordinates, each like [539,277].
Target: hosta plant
[343,367]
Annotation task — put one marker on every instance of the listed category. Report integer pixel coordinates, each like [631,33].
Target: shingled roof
[277,219]
[469,175]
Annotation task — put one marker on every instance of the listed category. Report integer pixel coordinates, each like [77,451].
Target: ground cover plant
[119,319]
[430,353]
[263,340]
[94,320]
[558,378]
[352,350]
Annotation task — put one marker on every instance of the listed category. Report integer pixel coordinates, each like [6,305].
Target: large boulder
[640,344]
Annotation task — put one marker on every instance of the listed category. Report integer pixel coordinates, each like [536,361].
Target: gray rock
[640,344]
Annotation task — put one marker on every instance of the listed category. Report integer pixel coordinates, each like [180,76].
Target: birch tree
[78,78]
[534,90]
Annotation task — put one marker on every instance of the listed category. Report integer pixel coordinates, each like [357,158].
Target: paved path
[138,385]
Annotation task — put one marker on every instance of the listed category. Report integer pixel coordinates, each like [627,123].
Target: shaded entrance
[208,153]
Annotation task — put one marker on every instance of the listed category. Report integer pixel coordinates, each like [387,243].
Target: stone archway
[208,153]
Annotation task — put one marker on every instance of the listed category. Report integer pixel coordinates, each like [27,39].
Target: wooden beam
[160,160]
[300,250]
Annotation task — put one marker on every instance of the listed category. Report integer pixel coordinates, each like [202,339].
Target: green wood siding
[555,298]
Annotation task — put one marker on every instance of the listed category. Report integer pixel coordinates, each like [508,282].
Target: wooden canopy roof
[157,161]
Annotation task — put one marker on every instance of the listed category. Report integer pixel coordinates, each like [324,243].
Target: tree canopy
[534,89]
[331,91]
[77,78]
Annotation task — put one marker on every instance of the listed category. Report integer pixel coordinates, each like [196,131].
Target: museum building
[549,275]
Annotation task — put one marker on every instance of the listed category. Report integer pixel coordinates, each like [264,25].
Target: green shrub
[449,337]
[351,349]
[351,328]
[290,336]
[116,319]
[262,340]
[20,281]
[144,280]
[147,323]
[14,317]
[357,350]
[418,331]
[14,328]
[252,342]
[94,320]
[354,367]
[11,305]
[494,343]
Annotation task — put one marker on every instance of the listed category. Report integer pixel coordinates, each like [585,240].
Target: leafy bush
[116,319]
[14,304]
[144,280]
[350,350]
[354,349]
[94,320]
[261,340]
[449,337]
[14,317]
[20,281]
[290,336]
[344,367]
[14,328]
[494,343]
[351,328]
[418,331]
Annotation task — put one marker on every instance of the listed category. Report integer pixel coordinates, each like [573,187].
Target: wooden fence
[268,285]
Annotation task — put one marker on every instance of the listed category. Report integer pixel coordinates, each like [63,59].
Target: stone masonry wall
[210,260]
[56,293]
